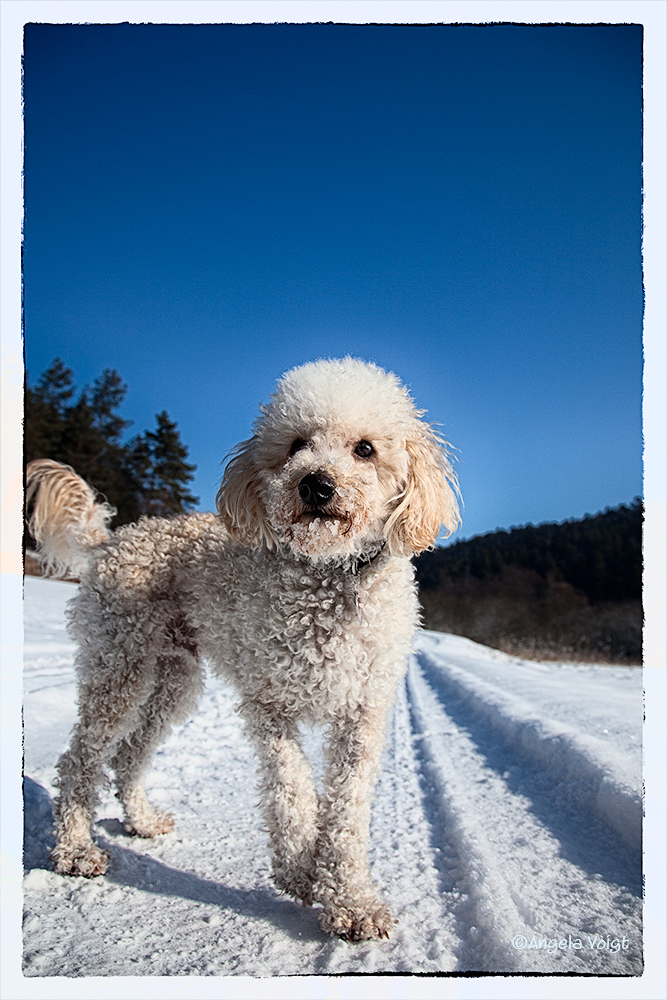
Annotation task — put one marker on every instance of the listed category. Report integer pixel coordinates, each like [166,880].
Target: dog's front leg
[352,906]
[288,798]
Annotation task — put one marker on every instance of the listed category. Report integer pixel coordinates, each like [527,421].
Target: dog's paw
[88,861]
[358,923]
[150,826]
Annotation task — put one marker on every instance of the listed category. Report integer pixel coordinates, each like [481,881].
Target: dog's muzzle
[316,489]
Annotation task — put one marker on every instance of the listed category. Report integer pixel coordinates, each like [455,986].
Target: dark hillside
[550,591]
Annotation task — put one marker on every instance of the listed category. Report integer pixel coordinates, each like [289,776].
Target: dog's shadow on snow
[38,838]
[139,871]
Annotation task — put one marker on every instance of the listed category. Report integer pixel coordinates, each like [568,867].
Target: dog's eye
[297,445]
[364,449]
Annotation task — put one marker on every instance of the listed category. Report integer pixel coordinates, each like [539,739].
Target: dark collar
[351,566]
[356,566]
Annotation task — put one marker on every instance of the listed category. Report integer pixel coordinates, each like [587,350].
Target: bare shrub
[521,613]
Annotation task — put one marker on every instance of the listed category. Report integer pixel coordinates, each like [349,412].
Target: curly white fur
[300,592]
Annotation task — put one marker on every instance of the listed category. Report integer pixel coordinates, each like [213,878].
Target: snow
[506,829]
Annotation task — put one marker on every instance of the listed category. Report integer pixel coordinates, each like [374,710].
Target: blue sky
[207,206]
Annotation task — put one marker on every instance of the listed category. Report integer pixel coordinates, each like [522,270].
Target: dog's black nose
[316,489]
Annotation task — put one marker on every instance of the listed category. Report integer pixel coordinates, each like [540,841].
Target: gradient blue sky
[207,206]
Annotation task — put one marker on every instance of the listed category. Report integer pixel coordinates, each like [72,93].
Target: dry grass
[521,614]
[31,567]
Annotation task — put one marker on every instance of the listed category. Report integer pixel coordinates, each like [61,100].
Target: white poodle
[300,592]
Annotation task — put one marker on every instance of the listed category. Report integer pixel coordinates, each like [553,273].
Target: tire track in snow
[486,916]
[404,860]
[509,868]
[560,796]
[574,760]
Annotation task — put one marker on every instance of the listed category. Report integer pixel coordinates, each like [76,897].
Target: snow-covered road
[506,829]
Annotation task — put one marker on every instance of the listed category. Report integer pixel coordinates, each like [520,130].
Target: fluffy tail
[66,520]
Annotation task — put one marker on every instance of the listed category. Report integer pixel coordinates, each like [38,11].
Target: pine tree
[132,500]
[107,395]
[45,409]
[167,493]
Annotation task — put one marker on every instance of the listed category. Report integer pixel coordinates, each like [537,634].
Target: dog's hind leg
[173,700]
[105,719]
[352,907]
[289,798]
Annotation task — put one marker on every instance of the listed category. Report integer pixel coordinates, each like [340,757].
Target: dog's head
[340,461]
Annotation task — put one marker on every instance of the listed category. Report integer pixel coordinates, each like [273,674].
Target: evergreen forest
[147,475]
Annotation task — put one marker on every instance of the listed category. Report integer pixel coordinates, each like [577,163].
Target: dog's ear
[430,500]
[239,502]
